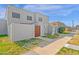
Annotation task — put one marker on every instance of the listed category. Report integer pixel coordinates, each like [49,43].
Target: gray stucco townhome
[22,24]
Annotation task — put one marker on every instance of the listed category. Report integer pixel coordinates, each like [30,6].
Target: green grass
[3,35]
[68,51]
[10,48]
[52,36]
[65,33]
[29,44]
[14,48]
[4,44]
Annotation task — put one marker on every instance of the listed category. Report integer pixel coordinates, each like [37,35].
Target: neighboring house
[57,24]
[77,27]
[3,26]
[23,24]
[68,29]
[54,27]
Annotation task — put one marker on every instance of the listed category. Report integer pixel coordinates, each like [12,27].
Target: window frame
[29,18]
[40,19]
[15,15]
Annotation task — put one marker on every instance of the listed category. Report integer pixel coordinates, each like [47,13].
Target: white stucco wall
[3,27]
[21,31]
[43,23]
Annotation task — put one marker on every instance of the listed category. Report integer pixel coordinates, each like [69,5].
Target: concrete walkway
[75,47]
[50,49]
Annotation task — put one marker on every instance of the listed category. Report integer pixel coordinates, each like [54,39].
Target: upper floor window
[29,17]
[15,15]
[40,19]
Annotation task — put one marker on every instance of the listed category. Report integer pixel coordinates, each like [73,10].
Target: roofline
[27,10]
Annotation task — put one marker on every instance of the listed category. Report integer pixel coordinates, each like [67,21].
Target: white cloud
[2,12]
[42,7]
[62,12]
[2,15]
[52,9]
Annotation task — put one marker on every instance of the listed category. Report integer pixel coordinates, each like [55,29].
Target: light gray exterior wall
[3,27]
[23,21]
[23,15]
[43,23]
[52,30]
[20,31]
[23,18]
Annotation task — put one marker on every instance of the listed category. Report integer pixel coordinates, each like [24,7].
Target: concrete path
[46,41]
[75,47]
[52,48]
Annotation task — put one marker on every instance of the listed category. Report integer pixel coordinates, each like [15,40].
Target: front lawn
[68,51]
[3,35]
[74,40]
[9,48]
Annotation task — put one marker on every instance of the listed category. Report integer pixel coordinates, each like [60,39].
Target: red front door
[37,30]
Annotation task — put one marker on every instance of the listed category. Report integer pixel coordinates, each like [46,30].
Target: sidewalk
[50,49]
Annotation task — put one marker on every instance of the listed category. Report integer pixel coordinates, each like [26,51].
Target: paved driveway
[47,41]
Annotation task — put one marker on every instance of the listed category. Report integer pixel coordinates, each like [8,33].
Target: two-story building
[23,24]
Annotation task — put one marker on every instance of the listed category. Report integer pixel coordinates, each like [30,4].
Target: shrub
[61,29]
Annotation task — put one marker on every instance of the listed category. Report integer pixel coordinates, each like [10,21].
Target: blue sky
[56,12]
